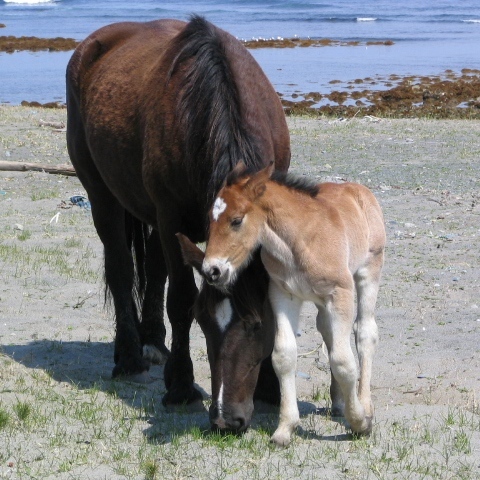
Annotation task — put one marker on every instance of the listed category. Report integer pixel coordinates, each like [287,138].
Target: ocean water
[429,38]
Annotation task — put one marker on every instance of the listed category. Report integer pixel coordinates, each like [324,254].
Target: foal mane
[295,182]
[300,184]
[208,109]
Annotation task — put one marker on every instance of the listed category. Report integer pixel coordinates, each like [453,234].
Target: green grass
[44,194]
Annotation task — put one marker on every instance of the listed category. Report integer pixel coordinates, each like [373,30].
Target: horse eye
[236,222]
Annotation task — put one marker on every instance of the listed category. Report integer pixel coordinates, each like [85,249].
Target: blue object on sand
[81,202]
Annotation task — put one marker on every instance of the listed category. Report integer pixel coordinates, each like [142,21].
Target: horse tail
[208,110]
[136,233]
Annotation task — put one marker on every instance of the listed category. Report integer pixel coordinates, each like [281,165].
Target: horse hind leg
[365,327]
[109,219]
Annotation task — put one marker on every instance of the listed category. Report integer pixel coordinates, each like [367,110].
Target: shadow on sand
[87,365]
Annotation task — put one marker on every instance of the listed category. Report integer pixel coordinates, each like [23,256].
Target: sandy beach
[62,417]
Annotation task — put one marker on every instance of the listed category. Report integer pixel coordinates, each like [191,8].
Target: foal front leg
[284,359]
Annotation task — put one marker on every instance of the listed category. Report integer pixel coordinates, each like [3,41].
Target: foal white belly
[281,266]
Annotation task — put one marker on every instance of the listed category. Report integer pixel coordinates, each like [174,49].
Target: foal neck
[284,208]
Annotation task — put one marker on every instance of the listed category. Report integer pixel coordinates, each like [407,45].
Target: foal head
[239,329]
[236,224]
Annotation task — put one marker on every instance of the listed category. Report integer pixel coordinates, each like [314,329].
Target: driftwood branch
[38,167]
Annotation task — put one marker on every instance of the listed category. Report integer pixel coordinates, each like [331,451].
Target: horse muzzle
[236,419]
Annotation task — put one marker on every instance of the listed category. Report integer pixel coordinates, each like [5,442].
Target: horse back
[126,86]
[358,214]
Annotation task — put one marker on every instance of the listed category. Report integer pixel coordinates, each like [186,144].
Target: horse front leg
[284,359]
[182,291]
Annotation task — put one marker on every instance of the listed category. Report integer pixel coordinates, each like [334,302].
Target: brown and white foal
[319,243]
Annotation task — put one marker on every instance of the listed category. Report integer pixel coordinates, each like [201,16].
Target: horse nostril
[238,423]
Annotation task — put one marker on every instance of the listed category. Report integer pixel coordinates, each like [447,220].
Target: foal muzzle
[217,272]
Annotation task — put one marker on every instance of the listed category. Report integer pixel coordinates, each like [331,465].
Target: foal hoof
[366,428]
[281,438]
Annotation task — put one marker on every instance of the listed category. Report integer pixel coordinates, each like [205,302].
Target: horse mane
[208,110]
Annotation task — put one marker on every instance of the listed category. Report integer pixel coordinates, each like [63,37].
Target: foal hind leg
[338,327]
[366,332]
[336,396]
[152,327]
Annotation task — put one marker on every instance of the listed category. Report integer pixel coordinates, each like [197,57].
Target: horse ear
[255,187]
[192,255]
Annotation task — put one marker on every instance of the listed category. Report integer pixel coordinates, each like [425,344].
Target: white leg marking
[324,327]
[152,353]
[284,359]
[365,327]
[220,401]
[223,314]
[342,361]
[218,208]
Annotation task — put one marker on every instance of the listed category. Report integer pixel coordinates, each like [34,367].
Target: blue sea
[429,37]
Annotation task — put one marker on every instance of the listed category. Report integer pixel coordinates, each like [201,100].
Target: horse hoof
[155,355]
[181,396]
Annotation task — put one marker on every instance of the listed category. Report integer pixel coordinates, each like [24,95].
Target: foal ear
[192,255]
[255,187]
[238,170]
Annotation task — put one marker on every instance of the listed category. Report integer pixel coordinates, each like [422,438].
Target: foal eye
[236,222]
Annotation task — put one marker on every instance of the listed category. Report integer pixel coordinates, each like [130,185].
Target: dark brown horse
[158,114]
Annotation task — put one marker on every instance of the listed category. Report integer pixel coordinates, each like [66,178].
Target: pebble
[18,226]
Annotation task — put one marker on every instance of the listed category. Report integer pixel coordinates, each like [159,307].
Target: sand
[426,175]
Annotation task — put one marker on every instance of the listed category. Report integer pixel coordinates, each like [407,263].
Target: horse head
[239,328]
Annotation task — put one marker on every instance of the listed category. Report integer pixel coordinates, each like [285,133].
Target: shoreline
[447,95]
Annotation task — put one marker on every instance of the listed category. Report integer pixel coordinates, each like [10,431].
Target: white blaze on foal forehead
[223,314]
[218,208]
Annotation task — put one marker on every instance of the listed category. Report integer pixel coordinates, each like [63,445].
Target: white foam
[366,19]
[29,2]
[471,21]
